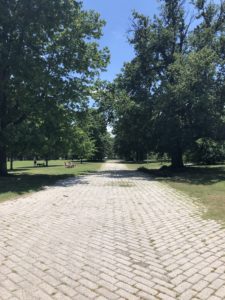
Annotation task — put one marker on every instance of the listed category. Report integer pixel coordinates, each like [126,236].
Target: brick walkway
[114,235]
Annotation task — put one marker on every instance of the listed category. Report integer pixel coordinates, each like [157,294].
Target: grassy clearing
[26,178]
[205,183]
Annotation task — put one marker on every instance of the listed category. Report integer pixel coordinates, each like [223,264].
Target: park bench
[69,164]
[40,164]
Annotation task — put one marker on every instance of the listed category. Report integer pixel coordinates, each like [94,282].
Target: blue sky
[117,14]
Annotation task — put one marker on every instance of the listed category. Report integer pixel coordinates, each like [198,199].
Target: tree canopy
[172,92]
[169,99]
[49,59]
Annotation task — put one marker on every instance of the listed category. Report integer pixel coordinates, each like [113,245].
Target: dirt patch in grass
[121,184]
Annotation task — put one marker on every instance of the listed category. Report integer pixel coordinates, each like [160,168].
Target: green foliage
[207,151]
[174,87]
[48,62]
[98,132]
[89,138]
[82,146]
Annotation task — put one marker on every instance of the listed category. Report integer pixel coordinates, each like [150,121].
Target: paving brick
[108,294]
[67,290]
[216,284]
[126,287]
[109,286]
[101,298]
[41,295]
[221,292]
[48,288]
[4,293]
[126,295]
[89,284]
[164,297]
[125,279]
[146,289]
[86,292]
[146,296]
[9,285]
[188,295]
[110,235]
[200,285]
[195,278]
[205,293]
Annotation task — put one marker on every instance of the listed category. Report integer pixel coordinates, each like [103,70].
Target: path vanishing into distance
[115,234]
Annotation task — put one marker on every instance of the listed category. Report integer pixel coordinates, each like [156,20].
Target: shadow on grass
[204,175]
[193,175]
[19,169]
[142,162]
[19,184]
[25,183]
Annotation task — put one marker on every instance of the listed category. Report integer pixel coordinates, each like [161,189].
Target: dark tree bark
[139,156]
[177,159]
[3,161]
[46,162]
[136,156]
[3,114]
[11,162]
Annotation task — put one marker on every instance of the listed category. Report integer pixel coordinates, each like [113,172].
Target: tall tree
[181,71]
[166,37]
[82,146]
[93,123]
[48,57]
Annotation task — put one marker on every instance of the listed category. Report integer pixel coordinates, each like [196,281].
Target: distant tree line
[83,136]
[170,99]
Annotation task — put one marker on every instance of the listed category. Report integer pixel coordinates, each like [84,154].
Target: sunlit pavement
[116,234]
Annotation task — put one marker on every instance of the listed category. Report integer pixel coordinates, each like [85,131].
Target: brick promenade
[113,235]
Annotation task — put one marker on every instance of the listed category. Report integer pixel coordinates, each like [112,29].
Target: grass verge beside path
[26,178]
[205,183]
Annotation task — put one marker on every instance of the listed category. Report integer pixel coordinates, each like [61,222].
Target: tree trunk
[136,156]
[3,161]
[139,156]
[11,162]
[46,162]
[177,159]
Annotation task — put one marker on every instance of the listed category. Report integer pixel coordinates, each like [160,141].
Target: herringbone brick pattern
[113,235]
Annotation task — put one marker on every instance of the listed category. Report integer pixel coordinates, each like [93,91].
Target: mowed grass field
[204,183]
[26,178]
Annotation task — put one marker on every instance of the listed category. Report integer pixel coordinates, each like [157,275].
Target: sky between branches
[117,14]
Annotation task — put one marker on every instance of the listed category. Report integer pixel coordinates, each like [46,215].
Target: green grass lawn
[26,178]
[205,183]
